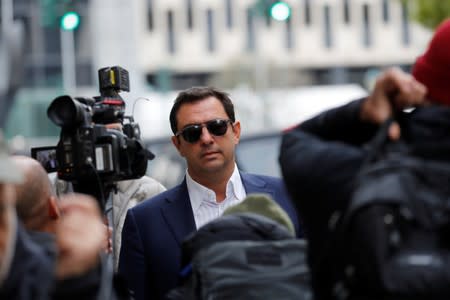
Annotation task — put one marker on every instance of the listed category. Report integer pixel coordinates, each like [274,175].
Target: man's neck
[215,182]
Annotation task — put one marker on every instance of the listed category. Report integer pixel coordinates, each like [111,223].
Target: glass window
[386,15]
[406,36]
[150,20]
[347,12]
[250,30]
[327,26]
[170,32]
[229,13]
[308,20]
[210,32]
[190,21]
[367,37]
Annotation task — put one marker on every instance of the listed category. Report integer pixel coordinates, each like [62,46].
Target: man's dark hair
[195,94]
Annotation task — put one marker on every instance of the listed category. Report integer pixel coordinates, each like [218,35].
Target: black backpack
[243,256]
[393,241]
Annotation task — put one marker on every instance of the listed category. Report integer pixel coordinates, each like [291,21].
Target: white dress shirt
[203,200]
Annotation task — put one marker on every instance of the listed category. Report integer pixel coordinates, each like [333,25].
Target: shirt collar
[235,187]
[199,193]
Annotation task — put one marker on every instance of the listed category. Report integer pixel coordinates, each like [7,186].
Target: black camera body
[98,143]
[95,152]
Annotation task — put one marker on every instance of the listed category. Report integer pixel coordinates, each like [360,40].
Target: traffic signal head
[280,11]
[70,21]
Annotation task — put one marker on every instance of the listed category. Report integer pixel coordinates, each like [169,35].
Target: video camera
[88,149]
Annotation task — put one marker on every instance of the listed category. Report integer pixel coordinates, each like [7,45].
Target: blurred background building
[168,45]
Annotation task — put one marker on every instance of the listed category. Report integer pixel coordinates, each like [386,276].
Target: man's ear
[53,209]
[237,131]
[176,142]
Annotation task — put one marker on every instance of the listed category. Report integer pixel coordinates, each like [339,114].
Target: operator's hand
[80,235]
[394,90]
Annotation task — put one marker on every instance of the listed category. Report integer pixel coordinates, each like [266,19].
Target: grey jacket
[129,193]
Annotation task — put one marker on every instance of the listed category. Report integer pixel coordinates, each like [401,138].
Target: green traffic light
[280,11]
[70,21]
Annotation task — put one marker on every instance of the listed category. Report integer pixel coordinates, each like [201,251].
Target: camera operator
[127,194]
[100,151]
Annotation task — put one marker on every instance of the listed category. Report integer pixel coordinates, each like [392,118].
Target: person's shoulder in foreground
[321,156]
[27,271]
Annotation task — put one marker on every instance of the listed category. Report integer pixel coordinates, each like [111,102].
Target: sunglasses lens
[217,127]
[192,133]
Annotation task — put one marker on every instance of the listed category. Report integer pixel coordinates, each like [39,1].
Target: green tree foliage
[429,13]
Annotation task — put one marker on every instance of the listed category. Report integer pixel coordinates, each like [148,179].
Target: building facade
[168,45]
[192,41]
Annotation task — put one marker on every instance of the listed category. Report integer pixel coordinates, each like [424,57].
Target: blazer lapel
[177,212]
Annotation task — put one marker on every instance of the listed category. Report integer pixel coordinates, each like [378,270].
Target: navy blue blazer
[153,231]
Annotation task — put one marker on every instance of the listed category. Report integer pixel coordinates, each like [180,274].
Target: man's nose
[206,137]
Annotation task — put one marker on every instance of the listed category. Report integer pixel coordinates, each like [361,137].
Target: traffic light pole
[7,14]
[68,61]
[261,75]
[277,10]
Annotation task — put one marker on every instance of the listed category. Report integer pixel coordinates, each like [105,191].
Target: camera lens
[66,112]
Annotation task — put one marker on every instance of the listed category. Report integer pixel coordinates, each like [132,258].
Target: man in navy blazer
[205,134]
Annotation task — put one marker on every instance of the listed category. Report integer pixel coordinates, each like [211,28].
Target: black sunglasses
[192,133]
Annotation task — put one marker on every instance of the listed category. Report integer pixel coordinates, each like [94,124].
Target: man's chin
[213,165]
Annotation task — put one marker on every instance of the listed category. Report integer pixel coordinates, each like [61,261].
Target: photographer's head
[205,132]
[36,204]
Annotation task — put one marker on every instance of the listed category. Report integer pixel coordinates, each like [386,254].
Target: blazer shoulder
[261,178]
[158,200]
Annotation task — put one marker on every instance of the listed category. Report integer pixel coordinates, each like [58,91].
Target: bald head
[34,194]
